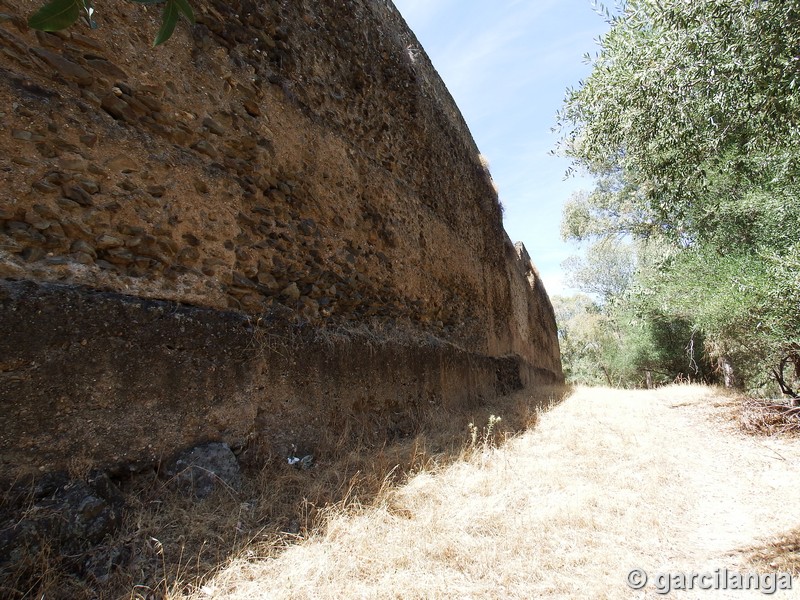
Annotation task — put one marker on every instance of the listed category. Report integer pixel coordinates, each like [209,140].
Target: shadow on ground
[167,542]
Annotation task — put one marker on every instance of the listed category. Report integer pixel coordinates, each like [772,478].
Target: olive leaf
[60,14]
[56,15]
[169,19]
[172,10]
[186,10]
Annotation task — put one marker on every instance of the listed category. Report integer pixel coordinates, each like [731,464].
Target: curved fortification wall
[275,222]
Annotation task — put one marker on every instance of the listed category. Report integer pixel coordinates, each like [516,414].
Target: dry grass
[769,417]
[608,481]
[781,554]
[169,543]
[603,482]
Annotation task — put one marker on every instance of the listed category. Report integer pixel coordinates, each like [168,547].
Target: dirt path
[608,481]
[726,491]
[739,489]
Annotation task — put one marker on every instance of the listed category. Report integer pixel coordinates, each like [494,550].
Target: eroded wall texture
[274,222]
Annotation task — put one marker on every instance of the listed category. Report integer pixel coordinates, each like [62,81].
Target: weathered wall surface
[281,171]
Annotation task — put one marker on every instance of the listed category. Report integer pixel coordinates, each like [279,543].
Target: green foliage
[690,123]
[172,9]
[606,270]
[622,343]
[667,348]
[57,15]
[583,333]
[60,14]
[684,90]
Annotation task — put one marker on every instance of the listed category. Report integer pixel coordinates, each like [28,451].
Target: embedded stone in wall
[203,469]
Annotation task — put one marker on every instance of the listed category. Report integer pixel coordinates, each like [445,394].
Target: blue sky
[508,64]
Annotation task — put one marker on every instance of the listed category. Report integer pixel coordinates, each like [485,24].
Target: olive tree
[690,123]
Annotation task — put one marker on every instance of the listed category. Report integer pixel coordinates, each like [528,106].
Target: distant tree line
[690,125]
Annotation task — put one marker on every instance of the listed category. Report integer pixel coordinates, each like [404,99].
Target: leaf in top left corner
[169,19]
[56,15]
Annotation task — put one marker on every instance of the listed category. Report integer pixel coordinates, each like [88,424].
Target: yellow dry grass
[609,480]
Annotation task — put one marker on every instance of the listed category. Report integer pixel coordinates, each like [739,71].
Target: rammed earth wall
[273,222]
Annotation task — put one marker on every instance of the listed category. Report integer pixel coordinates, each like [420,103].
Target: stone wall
[279,212]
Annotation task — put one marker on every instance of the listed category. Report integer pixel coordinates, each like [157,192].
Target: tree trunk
[725,366]
[608,377]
